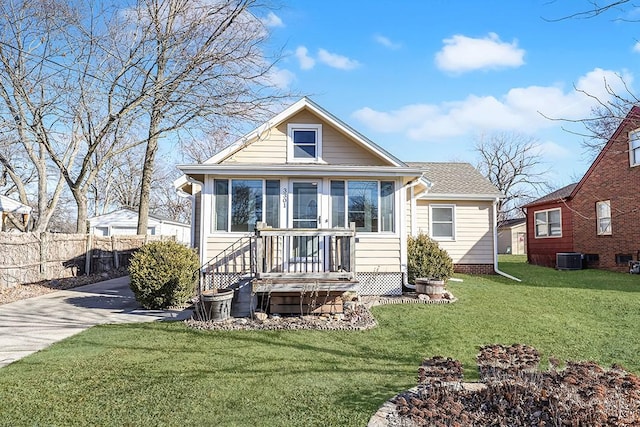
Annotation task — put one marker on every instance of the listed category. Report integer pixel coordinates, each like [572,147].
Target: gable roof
[565,192]
[132,214]
[10,205]
[632,118]
[302,104]
[453,179]
[513,222]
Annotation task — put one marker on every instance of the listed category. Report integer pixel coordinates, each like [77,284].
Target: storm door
[306,249]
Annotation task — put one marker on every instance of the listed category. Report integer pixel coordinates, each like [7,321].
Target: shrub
[426,259]
[163,274]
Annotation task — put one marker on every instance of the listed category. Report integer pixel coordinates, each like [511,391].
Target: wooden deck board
[302,286]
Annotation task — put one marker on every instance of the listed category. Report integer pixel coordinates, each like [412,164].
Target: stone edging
[387,415]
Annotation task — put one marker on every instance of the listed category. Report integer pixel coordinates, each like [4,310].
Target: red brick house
[599,216]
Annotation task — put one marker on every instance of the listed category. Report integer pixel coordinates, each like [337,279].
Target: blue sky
[425,79]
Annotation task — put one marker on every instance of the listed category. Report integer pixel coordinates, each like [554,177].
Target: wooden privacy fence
[32,257]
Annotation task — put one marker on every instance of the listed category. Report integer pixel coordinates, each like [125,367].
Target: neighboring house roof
[632,118]
[10,205]
[560,194]
[455,179]
[305,103]
[128,213]
[514,222]
[570,190]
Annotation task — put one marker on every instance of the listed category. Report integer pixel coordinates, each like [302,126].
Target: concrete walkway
[32,324]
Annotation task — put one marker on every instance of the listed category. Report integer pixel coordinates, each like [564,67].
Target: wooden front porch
[300,271]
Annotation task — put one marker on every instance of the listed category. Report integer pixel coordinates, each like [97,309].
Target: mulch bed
[514,393]
[359,318]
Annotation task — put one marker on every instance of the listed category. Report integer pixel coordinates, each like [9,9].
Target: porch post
[352,250]
[259,250]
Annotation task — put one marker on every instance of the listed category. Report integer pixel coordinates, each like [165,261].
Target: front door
[306,252]
[304,204]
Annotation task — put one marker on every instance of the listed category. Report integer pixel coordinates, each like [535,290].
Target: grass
[164,374]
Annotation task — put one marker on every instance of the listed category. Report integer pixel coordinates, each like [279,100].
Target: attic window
[304,143]
[634,147]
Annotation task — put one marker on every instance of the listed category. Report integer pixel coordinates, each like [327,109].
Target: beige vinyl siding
[377,254]
[337,149]
[473,229]
[422,217]
[218,243]
[270,148]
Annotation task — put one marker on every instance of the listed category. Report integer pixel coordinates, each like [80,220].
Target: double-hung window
[603,215]
[548,223]
[304,143]
[241,203]
[442,219]
[368,204]
[634,147]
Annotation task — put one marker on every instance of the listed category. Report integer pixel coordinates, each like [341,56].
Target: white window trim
[453,223]
[379,232]
[291,127]
[631,150]
[546,236]
[599,232]
[214,201]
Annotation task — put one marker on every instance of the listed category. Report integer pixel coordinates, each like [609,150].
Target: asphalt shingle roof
[561,193]
[455,178]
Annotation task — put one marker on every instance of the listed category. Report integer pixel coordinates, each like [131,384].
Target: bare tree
[202,62]
[512,162]
[198,150]
[607,114]
[84,82]
[64,98]
[31,43]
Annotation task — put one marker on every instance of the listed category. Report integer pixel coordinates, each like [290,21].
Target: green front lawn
[166,374]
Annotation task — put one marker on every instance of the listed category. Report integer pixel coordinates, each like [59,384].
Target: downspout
[411,185]
[495,244]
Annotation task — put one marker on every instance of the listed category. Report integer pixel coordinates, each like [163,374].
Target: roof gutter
[495,243]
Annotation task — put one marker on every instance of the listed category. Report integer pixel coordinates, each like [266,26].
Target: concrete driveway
[32,324]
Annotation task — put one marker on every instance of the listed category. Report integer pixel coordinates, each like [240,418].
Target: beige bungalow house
[306,198]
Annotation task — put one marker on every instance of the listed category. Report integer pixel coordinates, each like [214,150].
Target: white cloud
[636,47]
[337,61]
[520,109]
[461,54]
[386,42]
[280,78]
[553,150]
[272,20]
[306,62]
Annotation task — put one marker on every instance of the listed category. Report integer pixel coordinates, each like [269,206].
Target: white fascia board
[362,140]
[298,170]
[480,197]
[240,143]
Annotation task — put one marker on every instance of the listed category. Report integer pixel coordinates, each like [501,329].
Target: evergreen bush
[426,259]
[163,274]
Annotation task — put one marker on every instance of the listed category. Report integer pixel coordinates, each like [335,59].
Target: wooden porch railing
[290,253]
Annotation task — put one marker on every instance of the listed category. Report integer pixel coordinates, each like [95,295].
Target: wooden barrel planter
[432,287]
[216,306]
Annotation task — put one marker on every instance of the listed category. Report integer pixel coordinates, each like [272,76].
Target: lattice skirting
[380,283]
[220,280]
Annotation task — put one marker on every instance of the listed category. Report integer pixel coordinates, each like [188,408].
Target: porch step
[303,285]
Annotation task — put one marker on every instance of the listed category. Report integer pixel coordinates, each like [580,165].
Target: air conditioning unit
[569,261]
